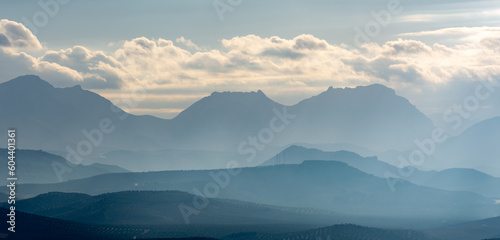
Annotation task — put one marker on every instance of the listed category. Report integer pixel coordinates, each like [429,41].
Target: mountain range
[328,185]
[135,173]
[67,120]
[452,179]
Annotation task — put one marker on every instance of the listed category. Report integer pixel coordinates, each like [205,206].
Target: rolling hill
[481,229]
[337,232]
[453,179]
[328,185]
[39,227]
[164,207]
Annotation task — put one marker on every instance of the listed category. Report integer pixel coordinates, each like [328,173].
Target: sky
[169,54]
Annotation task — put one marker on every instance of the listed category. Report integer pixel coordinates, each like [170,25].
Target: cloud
[459,34]
[302,65]
[98,69]
[282,53]
[188,43]
[16,35]
[273,61]
[491,43]
[456,31]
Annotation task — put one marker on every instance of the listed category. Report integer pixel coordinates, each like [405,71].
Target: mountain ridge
[56,118]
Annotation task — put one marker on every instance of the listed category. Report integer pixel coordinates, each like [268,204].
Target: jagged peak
[258,92]
[373,87]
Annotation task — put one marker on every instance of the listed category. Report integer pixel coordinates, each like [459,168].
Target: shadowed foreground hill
[485,228]
[29,226]
[337,232]
[165,207]
[38,227]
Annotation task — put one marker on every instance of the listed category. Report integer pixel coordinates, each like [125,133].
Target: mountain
[372,116]
[52,118]
[165,207]
[477,147]
[42,167]
[297,155]
[459,179]
[223,120]
[83,125]
[328,185]
[453,179]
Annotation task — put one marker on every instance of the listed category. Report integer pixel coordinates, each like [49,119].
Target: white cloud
[188,43]
[281,66]
[16,35]
[67,67]
[464,34]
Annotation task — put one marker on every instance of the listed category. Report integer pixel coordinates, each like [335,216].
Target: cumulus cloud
[97,69]
[304,64]
[188,42]
[16,35]
[304,60]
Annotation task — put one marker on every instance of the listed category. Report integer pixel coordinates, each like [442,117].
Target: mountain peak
[247,97]
[374,88]
[79,87]
[28,81]
[379,88]
[229,93]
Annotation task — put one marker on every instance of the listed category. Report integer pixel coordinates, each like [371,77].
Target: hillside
[325,185]
[164,207]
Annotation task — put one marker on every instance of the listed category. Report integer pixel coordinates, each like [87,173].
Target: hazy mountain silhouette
[372,116]
[42,167]
[459,179]
[51,118]
[477,147]
[329,185]
[451,179]
[297,155]
[216,121]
